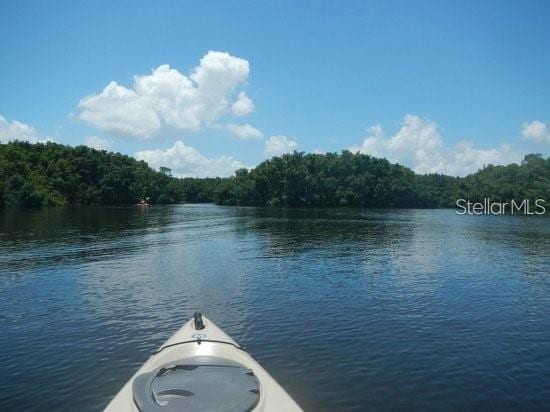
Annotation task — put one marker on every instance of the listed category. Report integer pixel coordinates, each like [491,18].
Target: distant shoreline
[52,175]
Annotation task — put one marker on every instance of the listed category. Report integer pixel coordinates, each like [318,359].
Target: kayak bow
[200,368]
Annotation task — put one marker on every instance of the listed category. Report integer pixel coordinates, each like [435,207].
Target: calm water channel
[348,309]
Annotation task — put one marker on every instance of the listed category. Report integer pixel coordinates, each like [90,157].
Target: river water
[349,309]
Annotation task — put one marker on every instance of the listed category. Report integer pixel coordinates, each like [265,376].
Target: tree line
[353,179]
[51,174]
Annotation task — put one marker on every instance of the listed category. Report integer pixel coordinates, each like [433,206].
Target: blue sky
[436,85]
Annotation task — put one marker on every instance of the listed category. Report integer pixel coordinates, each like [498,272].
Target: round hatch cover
[197,384]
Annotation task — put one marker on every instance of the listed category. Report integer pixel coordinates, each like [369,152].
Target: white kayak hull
[189,344]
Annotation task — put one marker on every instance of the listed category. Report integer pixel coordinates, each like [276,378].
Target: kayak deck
[201,368]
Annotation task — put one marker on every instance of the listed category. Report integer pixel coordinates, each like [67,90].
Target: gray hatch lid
[202,383]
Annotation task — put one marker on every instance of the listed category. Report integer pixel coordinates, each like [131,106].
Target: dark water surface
[347,309]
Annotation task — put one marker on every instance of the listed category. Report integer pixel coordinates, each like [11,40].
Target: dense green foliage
[348,179]
[529,180]
[300,179]
[36,175]
[50,174]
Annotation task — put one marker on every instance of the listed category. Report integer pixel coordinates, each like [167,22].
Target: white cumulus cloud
[536,131]
[15,130]
[278,145]
[244,131]
[97,143]
[167,97]
[243,105]
[186,161]
[419,146]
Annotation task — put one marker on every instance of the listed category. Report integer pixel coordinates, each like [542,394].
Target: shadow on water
[289,231]
[52,236]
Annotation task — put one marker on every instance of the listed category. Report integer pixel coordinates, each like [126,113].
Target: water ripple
[350,310]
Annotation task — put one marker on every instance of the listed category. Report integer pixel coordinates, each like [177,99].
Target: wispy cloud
[97,143]
[536,131]
[16,130]
[278,145]
[186,161]
[244,131]
[418,144]
[243,105]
